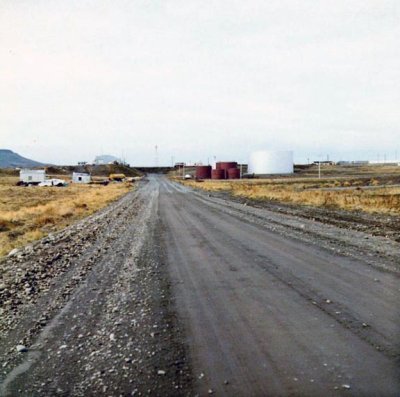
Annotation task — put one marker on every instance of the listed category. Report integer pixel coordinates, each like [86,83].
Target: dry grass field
[30,213]
[371,194]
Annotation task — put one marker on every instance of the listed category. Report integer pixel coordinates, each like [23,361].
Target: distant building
[370,162]
[79,177]
[324,163]
[32,176]
[384,162]
[355,163]
[106,159]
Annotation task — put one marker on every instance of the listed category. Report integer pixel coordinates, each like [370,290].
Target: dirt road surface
[171,291]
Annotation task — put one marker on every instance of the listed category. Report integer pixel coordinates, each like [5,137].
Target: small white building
[32,176]
[79,177]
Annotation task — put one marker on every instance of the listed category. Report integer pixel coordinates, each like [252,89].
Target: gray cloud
[199,78]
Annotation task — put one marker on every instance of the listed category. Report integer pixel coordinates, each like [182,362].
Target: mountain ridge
[10,159]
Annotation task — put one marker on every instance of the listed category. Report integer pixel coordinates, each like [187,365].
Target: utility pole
[156,156]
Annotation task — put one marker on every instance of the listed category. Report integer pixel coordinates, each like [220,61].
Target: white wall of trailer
[78,177]
[264,162]
[34,176]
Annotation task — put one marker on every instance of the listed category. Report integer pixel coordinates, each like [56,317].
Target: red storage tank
[203,171]
[218,174]
[233,173]
[226,165]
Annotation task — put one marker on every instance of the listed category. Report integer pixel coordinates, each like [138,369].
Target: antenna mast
[156,156]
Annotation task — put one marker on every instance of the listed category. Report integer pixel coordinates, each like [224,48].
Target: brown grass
[30,213]
[312,192]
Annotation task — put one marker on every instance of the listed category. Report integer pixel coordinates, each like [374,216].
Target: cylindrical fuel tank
[271,162]
[226,165]
[218,174]
[233,173]
[203,172]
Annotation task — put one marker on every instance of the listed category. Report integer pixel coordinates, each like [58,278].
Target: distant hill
[9,159]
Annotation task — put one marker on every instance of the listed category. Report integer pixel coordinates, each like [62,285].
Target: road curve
[269,315]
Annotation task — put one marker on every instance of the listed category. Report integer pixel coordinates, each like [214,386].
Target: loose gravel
[89,310]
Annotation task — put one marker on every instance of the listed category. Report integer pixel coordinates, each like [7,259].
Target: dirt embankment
[376,224]
[350,195]
[385,221]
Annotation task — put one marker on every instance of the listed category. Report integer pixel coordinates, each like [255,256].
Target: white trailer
[32,177]
[79,177]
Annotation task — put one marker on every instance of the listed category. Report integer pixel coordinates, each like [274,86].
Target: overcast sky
[199,79]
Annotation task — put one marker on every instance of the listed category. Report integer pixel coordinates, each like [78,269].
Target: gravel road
[171,291]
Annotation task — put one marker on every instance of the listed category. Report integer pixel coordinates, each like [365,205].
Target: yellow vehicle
[117,177]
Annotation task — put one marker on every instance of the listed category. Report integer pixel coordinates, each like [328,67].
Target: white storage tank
[264,162]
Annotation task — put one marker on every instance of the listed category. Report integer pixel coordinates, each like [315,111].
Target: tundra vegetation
[374,193]
[30,213]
